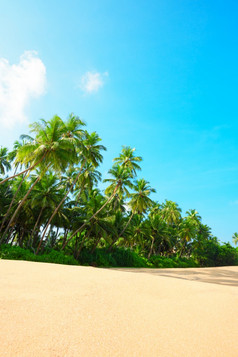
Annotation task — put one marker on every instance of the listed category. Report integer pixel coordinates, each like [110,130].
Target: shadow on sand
[220,275]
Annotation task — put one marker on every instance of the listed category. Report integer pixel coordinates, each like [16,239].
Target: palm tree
[118,185]
[4,161]
[45,195]
[140,201]
[159,233]
[51,146]
[128,160]
[90,151]
[235,238]
[187,231]
[171,212]
[89,178]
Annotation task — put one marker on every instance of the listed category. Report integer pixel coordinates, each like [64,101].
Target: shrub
[118,257]
[17,253]
[173,262]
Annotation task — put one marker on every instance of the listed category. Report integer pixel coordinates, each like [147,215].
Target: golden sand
[57,310]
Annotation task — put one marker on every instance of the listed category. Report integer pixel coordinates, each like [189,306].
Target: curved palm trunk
[94,215]
[82,243]
[12,201]
[37,221]
[96,244]
[182,249]
[151,248]
[59,205]
[24,171]
[114,241]
[18,208]
[132,214]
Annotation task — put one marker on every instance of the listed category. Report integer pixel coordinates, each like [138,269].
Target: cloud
[91,82]
[18,84]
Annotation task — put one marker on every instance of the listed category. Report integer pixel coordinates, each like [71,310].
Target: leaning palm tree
[121,179]
[4,161]
[90,150]
[45,196]
[50,145]
[50,148]
[140,201]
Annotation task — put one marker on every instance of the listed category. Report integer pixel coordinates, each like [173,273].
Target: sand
[57,310]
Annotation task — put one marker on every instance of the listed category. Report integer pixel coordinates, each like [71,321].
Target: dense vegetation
[52,210]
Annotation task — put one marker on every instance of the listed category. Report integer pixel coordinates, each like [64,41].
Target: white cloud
[18,83]
[92,81]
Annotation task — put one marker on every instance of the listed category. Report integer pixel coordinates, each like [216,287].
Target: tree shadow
[220,275]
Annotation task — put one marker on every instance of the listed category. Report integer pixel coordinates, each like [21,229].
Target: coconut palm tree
[90,150]
[50,148]
[140,201]
[235,238]
[171,212]
[128,160]
[45,196]
[4,161]
[121,179]
[187,231]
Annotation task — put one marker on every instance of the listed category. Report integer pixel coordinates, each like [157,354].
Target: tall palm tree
[171,212]
[235,238]
[187,231]
[4,161]
[45,196]
[128,160]
[50,148]
[90,150]
[121,179]
[159,234]
[140,201]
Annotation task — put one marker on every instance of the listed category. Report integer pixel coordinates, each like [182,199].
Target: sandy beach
[57,310]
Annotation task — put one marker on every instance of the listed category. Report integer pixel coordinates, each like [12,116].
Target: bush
[211,253]
[158,261]
[227,255]
[118,257]
[17,253]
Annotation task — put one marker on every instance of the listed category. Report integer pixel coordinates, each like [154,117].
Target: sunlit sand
[57,310]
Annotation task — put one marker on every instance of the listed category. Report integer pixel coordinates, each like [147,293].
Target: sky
[160,76]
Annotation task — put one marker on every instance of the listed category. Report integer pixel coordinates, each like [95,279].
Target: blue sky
[160,76]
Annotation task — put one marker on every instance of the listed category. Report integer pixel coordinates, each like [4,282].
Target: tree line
[52,201]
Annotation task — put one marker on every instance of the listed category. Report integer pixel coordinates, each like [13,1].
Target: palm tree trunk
[13,199]
[24,171]
[98,211]
[114,241]
[132,214]
[151,248]
[82,243]
[37,221]
[18,208]
[182,249]
[95,245]
[59,205]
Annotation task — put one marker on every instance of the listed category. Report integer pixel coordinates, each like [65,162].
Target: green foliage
[118,257]
[211,253]
[128,258]
[18,253]
[158,261]
[52,203]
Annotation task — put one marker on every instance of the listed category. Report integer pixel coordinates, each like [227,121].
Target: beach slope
[58,310]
